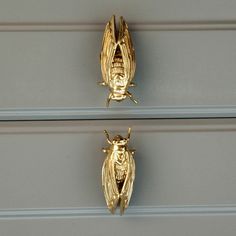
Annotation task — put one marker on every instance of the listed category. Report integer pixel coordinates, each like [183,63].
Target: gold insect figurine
[118,172]
[117,61]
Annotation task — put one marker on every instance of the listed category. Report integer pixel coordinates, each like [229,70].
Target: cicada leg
[132,84]
[105,150]
[132,151]
[102,83]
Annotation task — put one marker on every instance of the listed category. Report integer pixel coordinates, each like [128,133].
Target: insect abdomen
[117,67]
[120,172]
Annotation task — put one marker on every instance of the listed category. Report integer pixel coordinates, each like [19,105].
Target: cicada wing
[127,188]
[110,188]
[127,50]
[108,49]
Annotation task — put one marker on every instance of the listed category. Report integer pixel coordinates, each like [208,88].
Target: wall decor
[117,61]
[118,172]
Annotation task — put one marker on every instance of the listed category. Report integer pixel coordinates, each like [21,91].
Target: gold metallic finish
[118,172]
[117,61]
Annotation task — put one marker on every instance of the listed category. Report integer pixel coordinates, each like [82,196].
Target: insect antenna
[107,136]
[131,97]
[129,132]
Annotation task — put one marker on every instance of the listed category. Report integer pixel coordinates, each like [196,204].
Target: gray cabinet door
[52,117]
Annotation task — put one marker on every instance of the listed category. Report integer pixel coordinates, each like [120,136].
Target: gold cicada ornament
[117,61]
[118,172]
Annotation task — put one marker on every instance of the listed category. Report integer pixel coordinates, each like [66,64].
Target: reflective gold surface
[118,172]
[117,61]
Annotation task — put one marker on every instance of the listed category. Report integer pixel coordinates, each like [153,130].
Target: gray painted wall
[50,171]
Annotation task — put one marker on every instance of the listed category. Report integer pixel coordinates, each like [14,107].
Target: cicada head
[118,140]
[119,93]
[117,96]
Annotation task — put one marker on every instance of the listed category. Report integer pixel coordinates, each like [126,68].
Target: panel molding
[97,126]
[118,113]
[162,26]
[132,211]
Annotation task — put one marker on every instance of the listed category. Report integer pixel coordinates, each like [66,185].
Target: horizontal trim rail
[162,26]
[133,211]
[118,113]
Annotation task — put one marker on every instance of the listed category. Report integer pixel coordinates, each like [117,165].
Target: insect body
[117,61]
[118,172]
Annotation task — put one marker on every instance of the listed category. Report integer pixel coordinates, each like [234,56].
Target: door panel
[50,171]
[58,164]
[61,69]
[169,226]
